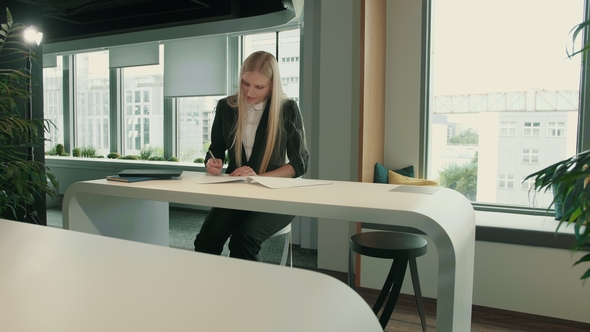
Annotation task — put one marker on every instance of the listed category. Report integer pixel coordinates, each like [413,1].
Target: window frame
[529,129]
[510,125]
[552,131]
[529,154]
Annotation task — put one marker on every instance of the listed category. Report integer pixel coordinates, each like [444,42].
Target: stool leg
[350,270]
[395,290]
[386,286]
[417,292]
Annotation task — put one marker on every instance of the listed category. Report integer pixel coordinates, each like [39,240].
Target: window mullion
[115,107]
[583,116]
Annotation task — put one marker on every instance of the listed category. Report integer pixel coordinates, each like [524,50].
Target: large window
[143,118]
[195,117]
[288,57]
[195,114]
[53,104]
[91,106]
[260,42]
[503,79]
[289,66]
[176,127]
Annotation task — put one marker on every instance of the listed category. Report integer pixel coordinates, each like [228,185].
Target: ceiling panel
[75,19]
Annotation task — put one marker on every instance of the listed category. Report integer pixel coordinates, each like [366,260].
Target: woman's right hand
[214,166]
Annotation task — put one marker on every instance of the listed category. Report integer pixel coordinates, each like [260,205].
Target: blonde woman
[262,132]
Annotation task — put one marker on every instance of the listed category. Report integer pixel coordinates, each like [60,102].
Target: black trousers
[245,229]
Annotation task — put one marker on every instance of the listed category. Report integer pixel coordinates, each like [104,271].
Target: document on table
[267,181]
[416,189]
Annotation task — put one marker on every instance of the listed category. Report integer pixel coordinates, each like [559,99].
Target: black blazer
[222,137]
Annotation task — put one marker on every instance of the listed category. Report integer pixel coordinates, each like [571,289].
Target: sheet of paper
[278,183]
[267,181]
[221,178]
[416,189]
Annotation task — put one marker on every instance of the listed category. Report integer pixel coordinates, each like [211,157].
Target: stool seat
[388,245]
[403,248]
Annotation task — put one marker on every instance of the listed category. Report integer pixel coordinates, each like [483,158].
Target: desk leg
[456,260]
[124,218]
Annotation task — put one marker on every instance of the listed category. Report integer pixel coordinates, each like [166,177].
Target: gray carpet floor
[185,224]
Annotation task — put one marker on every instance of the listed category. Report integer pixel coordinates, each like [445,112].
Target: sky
[486,46]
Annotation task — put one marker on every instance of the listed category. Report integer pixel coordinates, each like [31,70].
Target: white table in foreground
[139,211]
[57,280]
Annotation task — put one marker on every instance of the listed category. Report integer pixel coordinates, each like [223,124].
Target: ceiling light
[32,35]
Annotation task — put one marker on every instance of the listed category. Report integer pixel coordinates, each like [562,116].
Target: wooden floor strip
[405,317]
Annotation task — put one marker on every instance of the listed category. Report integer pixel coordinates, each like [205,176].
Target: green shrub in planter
[157,158]
[51,152]
[59,149]
[199,160]
[77,152]
[113,155]
[147,153]
[89,152]
[130,157]
[173,159]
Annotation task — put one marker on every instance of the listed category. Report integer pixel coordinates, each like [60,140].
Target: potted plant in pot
[569,180]
[22,180]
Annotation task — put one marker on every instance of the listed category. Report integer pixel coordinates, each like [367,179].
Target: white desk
[139,211]
[56,280]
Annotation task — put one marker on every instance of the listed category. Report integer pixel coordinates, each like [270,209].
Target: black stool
[403,248]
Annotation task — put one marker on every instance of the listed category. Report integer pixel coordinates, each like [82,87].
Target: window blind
[195,67]
[50,60]
[134,55]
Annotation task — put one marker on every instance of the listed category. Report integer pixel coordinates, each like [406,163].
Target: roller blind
[49,60]
[195,67]
[134,55]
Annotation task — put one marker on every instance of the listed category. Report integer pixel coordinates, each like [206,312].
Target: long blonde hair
[265,64]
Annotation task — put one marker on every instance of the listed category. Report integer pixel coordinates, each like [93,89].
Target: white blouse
[253,115]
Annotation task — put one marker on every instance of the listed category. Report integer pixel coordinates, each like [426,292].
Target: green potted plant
[568,179]
[22,180]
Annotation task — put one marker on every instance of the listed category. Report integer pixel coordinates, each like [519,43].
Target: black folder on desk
[155,173]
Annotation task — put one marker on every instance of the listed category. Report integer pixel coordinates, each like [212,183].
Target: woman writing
[262,131]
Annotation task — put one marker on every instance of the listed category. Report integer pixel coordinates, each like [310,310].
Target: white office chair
[287,249]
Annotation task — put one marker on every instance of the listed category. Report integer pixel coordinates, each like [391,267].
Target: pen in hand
[214,165]
[212,156]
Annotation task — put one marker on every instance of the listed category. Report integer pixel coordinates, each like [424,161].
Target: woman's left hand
[243,171]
